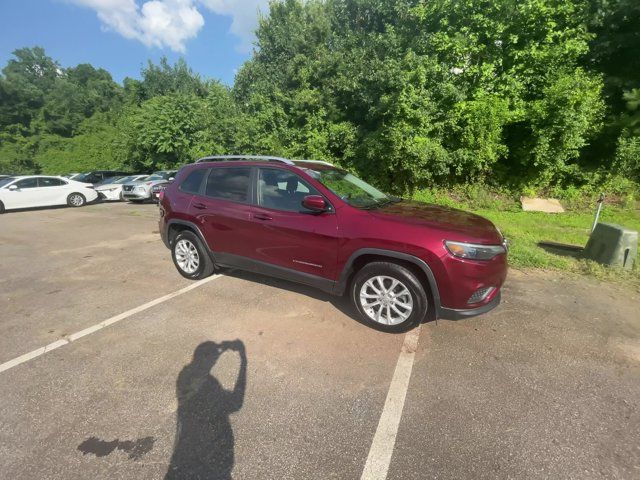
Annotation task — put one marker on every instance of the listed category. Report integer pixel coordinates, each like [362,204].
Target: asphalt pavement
[249,377]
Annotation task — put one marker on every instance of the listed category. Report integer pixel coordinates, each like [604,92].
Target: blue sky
[213,36]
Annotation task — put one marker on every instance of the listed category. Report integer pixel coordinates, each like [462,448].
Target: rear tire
[389,297]
[76,200]
[1,208]
[190,256]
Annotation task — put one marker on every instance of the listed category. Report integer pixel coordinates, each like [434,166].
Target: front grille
[479,295]
[127,188]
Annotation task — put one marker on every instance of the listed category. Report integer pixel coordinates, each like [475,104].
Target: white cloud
[170,23]
[244,14]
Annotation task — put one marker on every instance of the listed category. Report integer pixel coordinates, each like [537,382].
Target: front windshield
[350,188]
[6,181]
[110,180]
[155,176]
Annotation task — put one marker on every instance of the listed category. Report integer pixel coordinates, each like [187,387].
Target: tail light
[161,195]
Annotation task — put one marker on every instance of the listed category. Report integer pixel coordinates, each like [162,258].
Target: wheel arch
[419,267]
[175,226]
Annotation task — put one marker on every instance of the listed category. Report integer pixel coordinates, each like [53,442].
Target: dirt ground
[268,379]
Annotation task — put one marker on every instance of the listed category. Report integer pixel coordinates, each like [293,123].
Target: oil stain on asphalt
[101,448]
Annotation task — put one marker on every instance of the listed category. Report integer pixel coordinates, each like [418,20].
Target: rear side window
[193,181]
[28,183]
[229,183]
[50,182]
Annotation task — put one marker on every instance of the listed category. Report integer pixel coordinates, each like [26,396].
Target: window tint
[229,183]
[50,182]
[193,181]
[28,183]
[6,181]
[282,190]
[88,178]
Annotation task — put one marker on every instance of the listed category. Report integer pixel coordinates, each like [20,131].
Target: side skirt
[268,269]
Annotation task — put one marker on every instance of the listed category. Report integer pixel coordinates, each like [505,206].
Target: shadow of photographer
[204,444]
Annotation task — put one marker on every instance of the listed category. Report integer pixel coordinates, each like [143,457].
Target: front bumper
[461,313]
[133,195]
[110,195]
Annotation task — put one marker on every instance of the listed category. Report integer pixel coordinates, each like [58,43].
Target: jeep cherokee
[306,221]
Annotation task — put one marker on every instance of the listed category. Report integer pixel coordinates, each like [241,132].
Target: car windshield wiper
[385,202]
[380,203]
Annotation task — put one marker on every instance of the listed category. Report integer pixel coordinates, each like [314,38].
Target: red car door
[223,212]
[286,235]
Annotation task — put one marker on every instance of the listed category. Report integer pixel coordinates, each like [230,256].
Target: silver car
[112,189]
[140,191]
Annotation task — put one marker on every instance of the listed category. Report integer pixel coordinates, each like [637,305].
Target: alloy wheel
[187,256]
[76,200]
[386,300]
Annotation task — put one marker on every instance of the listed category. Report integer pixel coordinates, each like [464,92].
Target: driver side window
[282,190]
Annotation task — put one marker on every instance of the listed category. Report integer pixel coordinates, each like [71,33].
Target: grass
[526,229]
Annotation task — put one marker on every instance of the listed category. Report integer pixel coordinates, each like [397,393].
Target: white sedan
[113,189]
[41,191]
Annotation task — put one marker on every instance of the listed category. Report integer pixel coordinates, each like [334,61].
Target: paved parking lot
[268,379]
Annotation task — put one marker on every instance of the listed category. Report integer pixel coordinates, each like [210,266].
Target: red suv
[311,222]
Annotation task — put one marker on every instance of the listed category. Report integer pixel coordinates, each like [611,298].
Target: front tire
[190,256]
[2,209]
[76,200]
[389,297]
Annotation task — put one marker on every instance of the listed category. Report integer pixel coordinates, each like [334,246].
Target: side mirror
[12,187]
[315,203]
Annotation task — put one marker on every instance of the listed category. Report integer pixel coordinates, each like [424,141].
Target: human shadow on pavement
[204,445]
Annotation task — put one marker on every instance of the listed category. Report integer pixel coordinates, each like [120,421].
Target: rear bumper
[90,195]
[164,234]
[461,313]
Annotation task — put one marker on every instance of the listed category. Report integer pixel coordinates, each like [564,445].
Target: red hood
[464,224]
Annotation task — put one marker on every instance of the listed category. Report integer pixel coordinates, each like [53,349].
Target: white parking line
[99,326]
[384,440]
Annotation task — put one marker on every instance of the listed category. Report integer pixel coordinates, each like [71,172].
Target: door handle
[262,216]
[199,206]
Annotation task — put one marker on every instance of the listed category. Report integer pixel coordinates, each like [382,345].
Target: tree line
[407,93]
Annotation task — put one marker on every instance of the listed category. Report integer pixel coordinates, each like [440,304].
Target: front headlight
[474,251]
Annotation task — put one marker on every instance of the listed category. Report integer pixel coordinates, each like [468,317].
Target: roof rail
[241,158]
[318,162]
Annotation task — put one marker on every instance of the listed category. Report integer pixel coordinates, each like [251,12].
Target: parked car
[98,176]
[111,189]
[156,189]
[399,261]
[140,191]
[42,191]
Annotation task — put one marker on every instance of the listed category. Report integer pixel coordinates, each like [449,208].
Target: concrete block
[612,244]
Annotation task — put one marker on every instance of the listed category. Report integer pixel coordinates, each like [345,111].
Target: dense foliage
[409,93]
